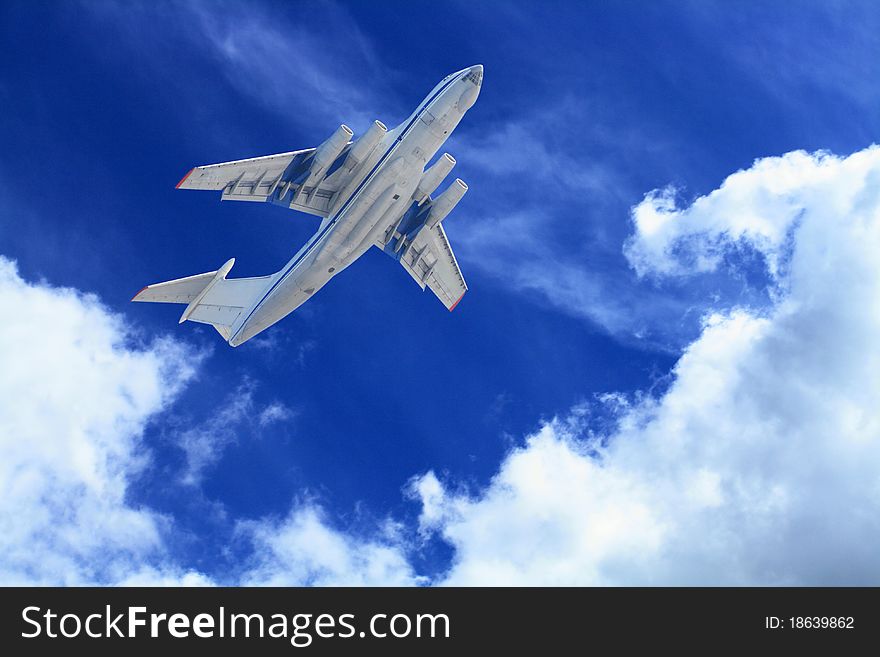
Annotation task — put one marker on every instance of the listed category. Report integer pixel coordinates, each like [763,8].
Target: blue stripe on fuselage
[318,236]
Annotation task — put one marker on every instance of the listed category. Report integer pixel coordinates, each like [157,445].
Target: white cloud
[758,207]
[168,575]
[75,395]
[552,515]
[760,463]
[274,412]
[304,550]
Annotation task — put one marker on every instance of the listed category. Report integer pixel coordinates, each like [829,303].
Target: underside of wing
[254,179]
[254,176]
[313,180]
[426,255]
[433,264]
[280,179]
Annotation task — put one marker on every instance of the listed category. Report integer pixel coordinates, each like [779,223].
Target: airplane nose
[476,74]
[471,91]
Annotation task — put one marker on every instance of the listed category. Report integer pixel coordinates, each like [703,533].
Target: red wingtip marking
[452,307]
[139,291]
[183,180]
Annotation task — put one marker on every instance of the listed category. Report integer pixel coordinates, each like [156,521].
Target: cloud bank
[76,395]
[759,465]
[76,392]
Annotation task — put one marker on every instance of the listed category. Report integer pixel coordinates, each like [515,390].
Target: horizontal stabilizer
[182,290]
[210,297]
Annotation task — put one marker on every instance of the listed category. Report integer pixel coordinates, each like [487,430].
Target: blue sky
[372,419]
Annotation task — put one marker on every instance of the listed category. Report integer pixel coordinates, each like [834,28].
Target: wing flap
[431,262]
[254,176]
[272,178]
[427,256]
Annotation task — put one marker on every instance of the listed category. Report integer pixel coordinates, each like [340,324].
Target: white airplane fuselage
[381,195]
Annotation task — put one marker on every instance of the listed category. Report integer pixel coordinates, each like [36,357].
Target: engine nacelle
[432,178]
[330,149]
[366,144]
[444,203]
[325,154]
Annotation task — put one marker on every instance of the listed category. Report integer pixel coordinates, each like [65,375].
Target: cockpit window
[475,76]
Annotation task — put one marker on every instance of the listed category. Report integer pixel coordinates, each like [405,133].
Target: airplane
[374,191]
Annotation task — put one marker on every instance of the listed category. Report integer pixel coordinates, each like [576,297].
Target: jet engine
[443,204]
[365,145]
[330,149]
[324,156]
[432,178]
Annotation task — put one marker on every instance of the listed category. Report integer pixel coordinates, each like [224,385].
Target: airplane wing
[263,179]
[311,180]
[247,180]
[430,261]
[427,256]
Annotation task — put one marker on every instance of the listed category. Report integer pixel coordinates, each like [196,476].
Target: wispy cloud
[286,63]
[825,49]
[274,412]
[292,68]
[281,343]
[549,211]
[537,152]
[205,443]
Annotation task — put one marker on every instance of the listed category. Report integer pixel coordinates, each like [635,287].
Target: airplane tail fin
[210,297]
